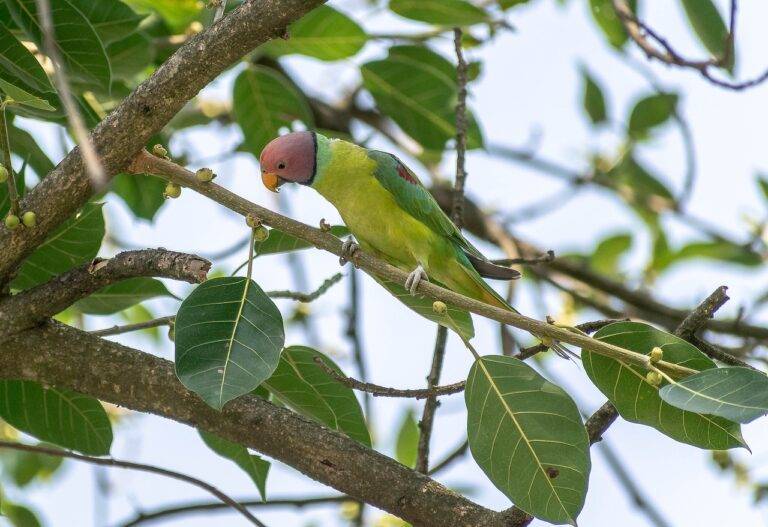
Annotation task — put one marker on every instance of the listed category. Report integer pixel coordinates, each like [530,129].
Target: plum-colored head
[289,158]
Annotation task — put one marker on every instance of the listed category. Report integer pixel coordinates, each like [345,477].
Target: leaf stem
[5,145]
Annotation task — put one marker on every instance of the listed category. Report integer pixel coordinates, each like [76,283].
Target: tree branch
[32,306]
[144,112]
[111,462]
[76,360]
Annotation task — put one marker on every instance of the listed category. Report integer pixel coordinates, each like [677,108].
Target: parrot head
[291,158]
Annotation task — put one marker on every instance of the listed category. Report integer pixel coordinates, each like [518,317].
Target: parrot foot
[415,278]
[348,250]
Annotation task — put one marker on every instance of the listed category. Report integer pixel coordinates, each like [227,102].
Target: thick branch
[144,112]
[72,359]
[31,307]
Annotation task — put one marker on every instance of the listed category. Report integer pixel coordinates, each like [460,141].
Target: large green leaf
[122,295]
[416,87]
[129,56]
[455,319]
[594,101]
[708,26]
[80,47]
[609,22]
[178,14]
[605,258]
[19,67]
[407,440]
[228,339]
[280,242]
[737,394]
[253,465]
[143,194]
[439,12]
[324,33]
[300,383]
[650,112]
[111,19]
[19,515]
[264,102]
[638,401]
[75,242]
[57,416]
[527,436]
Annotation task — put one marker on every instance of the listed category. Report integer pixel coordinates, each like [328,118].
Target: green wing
[415,199]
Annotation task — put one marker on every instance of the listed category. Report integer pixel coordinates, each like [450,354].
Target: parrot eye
[281,165]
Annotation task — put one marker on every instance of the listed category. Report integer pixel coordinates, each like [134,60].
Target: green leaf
[18,515]
[75,242]
[439,12]
[407,443]
[20,67]
[264,102]
[253,465]
[719,250]
[506,4]
[650,112]
[80,47]
[129,56]
[22,468]
[527,435]
[228,339]
[24,98]
[454,319]
[606,256]
[25,146]
[594,101]
[708,26]
[143,194]
[280,242]
[301,384]
[416,87]
[639,402]
[324,33]
[122,295]
[57,416]
[762,182]
[111,19]
[178,14]
[736,394]
[609,22]
[637,186]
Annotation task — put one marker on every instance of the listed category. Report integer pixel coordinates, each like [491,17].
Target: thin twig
[92,162]
[547,257]
[5,145]
[205,506]
[307,297]
[353,333]
[586,327]
[385,391]
[457,453]
[117,330]
[112,462]
[427,420]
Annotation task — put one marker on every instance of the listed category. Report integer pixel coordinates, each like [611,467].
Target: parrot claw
[348,250]
[415,278]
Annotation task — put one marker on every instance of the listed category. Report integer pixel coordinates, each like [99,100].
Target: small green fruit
[159,151]
[439,307]
[29,219]
[653,378]
[3,174]
[172,333]
[172,190]
[260,233]
[12,221]
[204,175]
[656,355]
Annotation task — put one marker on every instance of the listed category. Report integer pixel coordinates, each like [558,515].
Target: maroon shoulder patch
[404,173]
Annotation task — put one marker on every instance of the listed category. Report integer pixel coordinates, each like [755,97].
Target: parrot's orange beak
[270,180]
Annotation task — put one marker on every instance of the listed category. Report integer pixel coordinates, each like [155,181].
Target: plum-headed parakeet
[390,213]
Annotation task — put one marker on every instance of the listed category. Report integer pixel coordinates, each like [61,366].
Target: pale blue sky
[530,84]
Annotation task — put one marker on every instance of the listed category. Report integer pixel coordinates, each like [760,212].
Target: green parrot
[387,209]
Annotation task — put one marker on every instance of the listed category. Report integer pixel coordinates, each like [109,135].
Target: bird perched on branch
[387,209]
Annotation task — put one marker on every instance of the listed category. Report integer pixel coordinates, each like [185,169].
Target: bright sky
[530,85]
